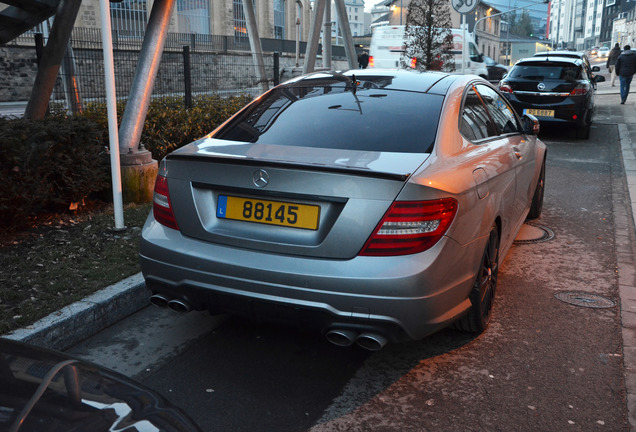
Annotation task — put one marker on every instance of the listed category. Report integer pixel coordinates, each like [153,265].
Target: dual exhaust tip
[366,340]
[177,305]
[340,337]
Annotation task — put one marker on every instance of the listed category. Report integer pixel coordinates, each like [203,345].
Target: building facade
[614,10]
[355,15]
[593,16]
[276,19]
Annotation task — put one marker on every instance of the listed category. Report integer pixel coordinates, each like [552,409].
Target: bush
[170,125]
[47,165]
[51,163]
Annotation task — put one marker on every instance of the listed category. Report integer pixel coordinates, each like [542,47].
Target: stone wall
[226,73]
[18,68]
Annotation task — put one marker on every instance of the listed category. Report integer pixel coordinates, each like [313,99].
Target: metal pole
[276,68]
[463,43]
[297,40]
[187,76]
[111,107]
[52,59]
[134,117]
[326,37]
[345,29]
[314,36]
[508,36]
[255,44]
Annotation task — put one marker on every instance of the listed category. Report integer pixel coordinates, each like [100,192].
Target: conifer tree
[428,36]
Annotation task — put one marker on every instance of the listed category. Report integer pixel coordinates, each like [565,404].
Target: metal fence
[215,65]
[212,64]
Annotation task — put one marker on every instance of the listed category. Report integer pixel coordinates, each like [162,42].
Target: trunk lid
[291,200]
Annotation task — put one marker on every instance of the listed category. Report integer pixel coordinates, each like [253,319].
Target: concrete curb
[80,320]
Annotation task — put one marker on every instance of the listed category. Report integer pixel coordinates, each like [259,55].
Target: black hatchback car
[556,90]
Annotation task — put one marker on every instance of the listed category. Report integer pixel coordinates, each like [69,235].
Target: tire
[583,132]
[537,200]
[482,296]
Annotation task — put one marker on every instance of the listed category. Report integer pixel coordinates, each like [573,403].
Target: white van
[388,45]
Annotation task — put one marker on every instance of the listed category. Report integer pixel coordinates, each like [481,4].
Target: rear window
[335,116]
[555,71]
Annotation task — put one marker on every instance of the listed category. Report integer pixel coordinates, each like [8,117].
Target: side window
[585,75]
[473,52]
[475,123]
[501,113]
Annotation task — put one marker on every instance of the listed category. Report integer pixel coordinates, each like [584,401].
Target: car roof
[574,60]
[561,53]
[390,79]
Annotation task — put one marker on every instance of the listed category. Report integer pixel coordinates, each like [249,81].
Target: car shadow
[283,377]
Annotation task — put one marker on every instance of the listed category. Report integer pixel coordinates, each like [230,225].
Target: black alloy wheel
[482,296]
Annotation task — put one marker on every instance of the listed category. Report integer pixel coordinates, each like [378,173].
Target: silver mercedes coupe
[369,205]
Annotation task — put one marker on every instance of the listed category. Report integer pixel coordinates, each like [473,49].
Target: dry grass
[64,258]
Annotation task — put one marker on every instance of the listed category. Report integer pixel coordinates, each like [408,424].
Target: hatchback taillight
[161,206]
[411,227]
[505,87]
[371,61]
[580,90]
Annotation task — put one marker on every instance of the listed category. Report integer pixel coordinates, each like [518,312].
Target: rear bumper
[404,297]
[572,111]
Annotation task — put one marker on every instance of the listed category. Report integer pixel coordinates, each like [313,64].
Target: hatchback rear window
[555,72]
[337,116]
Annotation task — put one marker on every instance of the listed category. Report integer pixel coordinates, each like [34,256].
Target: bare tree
[428,36]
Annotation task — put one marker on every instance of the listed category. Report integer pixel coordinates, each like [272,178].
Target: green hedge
[49,164]
[169,125]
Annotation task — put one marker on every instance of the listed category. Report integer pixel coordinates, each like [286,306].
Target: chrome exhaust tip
[371,341]
[159,300]
[178,305]
[341,337]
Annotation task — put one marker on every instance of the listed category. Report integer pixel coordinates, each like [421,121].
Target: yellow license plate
[268,212]
[539,112]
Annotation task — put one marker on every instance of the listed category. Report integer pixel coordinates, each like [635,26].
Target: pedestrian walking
[611,61]
[363,60]
[625,68]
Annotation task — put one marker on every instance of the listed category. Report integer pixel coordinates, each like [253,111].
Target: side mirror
[530,124]
[599,78]
[596,69]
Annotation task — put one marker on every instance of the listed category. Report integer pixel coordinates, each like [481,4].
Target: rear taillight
[410,227]
[413,63]
[161,207]
[371,61]
[580,90]
[505,87]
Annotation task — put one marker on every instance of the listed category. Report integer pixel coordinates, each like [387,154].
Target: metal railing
[215,64]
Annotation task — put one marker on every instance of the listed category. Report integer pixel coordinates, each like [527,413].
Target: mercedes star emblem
[260,178]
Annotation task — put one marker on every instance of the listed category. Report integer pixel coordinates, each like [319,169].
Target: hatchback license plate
[268,212]
[539,112]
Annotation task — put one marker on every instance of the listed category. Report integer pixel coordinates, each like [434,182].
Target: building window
[279,19]
[129,17]
[193,16]
[240,23]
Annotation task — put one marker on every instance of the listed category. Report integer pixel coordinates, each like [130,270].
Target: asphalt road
[543,364]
